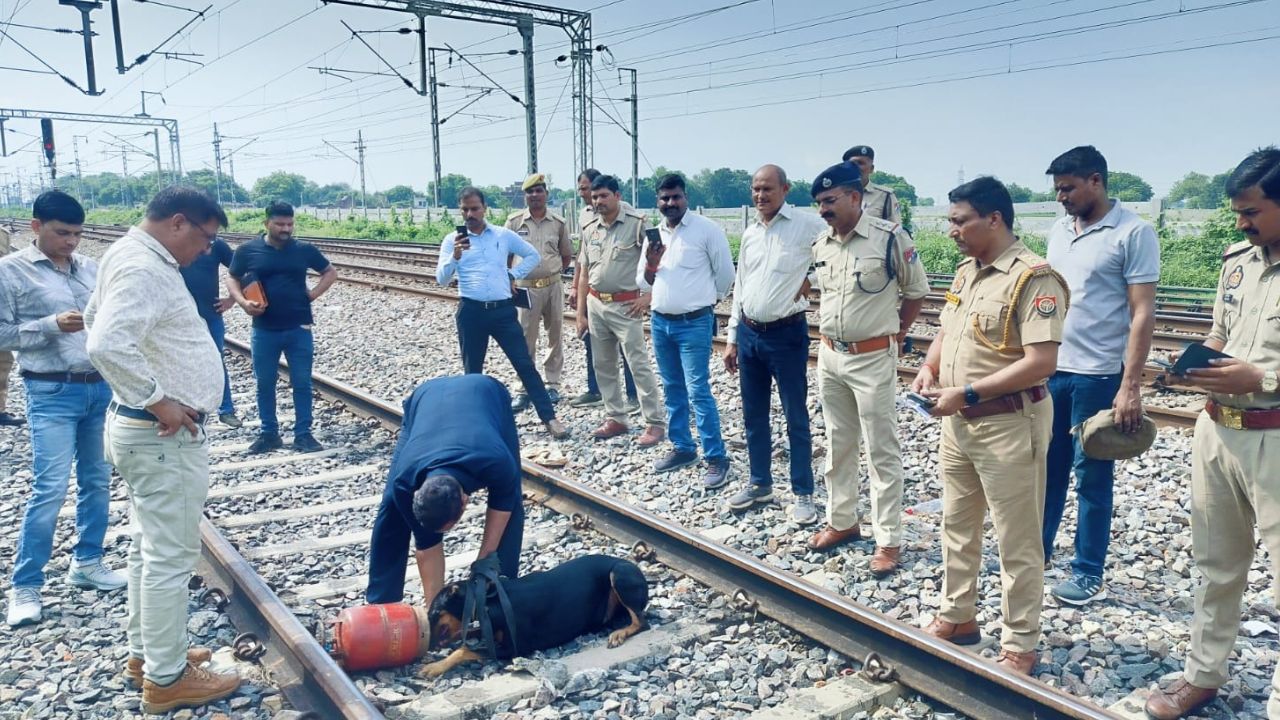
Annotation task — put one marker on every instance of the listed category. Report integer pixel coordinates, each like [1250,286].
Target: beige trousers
[1235,485]
[996,462]
[546,308]
[168,480]
[857,394]
[612,329]
[6,367]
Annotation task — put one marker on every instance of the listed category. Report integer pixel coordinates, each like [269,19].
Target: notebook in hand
[521,298]
[253,291]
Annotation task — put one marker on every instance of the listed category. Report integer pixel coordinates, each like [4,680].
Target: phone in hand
[921,404]
[654,236]
[461,229]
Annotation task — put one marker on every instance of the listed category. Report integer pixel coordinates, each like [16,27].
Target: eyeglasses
[208,236]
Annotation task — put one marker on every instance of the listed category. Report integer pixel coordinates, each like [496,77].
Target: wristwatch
[971,396]
[1270,381]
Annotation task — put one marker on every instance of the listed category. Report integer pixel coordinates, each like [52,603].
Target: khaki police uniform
[880,201]
[6,357]
[1235,482]
[859,306]
[550,237]
[609,256]
[997,461]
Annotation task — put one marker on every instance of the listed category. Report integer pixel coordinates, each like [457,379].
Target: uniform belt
[539,283]
[1238,419]
[488,304]
[136,414]
[624,296]
[1004,404]
[693,315]
[83,378]
[857,348]
[766,326]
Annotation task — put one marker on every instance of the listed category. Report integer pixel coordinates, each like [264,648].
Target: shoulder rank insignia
[1235,278]
[1046,305]
[958,285]
[1237,248]
[952,298]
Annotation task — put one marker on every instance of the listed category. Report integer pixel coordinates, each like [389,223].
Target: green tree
[450,186]
[401,196]
[1199,191]
[724,188]
[800,195]
[927,202]
[279,185]
[1128,187]
[905,191]
[1019,193]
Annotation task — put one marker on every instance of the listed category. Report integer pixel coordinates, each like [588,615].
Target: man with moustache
[1110,258]
[862,264]
[280,262]
[877,200]
[769,338]
[592,396]
[986,372]
[1234,451]
[549,235]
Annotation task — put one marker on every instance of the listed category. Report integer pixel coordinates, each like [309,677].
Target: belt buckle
[844,347]
[1230,417]
[607,297]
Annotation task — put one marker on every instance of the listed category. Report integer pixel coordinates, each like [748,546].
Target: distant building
[514,196]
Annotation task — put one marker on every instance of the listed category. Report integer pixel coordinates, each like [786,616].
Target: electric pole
[75,150]
[525,25]
[635,139]
[360,153]
[155,135]
[435,127]
[217,162]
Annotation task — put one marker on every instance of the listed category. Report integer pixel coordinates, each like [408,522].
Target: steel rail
[932,667]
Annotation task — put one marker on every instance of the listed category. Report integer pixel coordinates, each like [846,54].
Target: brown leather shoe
[1017,662]
[1181,699]
[829,537]
[133,666]
[196,687]
[610,429]
[653,435]
[965,633]
[884,561]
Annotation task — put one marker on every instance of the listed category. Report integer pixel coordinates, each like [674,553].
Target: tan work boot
[133,666]
[196,687]
[1181,699]
[1018,662]
[965,633]
[885,561]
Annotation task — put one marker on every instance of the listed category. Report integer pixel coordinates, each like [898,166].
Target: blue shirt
[460,426]
[283,274]
[201,277]
[1099,264]
[482,272]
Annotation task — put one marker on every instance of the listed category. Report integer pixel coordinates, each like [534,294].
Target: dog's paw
[434,670]
[617,637]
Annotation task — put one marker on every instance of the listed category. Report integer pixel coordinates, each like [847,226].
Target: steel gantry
[170,126]
[522,16]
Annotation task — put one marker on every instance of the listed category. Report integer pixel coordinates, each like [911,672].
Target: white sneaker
[24,606]
[804,512]
[95,576]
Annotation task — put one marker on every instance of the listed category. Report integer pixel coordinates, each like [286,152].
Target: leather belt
[488,304]
[136,414]
[1004,404]
[539,283]
[767,326]
[694,315]
[1239,419]
[624,296]
[81,378]
[857,348]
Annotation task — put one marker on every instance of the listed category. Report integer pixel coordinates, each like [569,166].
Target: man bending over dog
[458,436]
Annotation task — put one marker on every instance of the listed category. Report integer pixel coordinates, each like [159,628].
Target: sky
[941,90]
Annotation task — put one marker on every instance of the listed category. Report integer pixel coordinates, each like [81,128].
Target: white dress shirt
[773,262]
[695,271]
[145,335]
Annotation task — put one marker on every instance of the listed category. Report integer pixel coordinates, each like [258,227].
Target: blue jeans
[299,350]
[66,422]
[218,329]
[1077,398]
[683,351]
[778,354]
[593,386]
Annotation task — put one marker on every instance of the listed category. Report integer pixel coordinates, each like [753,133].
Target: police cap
[534,179]
[1101,439]
[859,151]
[846,174]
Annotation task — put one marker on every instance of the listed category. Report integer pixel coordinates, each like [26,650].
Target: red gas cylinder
[380,636]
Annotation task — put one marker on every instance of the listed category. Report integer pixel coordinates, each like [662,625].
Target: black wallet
[521,298]
[1195,355]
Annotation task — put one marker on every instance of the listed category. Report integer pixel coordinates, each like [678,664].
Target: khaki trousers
[168,480]
[857,394]
[6,367]
[996,462]
[1235,484]
[611,328]
[546,307]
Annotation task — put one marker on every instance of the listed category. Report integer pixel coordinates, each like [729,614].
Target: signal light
[46,131]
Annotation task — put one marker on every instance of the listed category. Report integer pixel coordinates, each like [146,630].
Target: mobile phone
[462,229]
[654,236]
[922,401]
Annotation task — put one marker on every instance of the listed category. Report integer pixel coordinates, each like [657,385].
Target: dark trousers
[593,386]
[218,330]
[476,324]
[1077,398]
[298,347]
[779,354]
[391,534]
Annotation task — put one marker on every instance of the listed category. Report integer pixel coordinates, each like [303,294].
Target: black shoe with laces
[306,444]
[265,443]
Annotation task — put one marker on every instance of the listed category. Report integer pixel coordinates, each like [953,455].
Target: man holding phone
[1234,451]
[477,256]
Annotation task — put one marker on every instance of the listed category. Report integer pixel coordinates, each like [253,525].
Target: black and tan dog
[552,607]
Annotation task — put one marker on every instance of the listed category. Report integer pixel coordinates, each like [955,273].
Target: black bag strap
[475,610]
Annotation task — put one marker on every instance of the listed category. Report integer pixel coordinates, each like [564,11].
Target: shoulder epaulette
[555,216]
[966,261]
[881,188]
[1236,249]
[886,225]
[632,212]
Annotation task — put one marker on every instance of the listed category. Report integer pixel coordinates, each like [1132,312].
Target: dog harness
[482,585]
